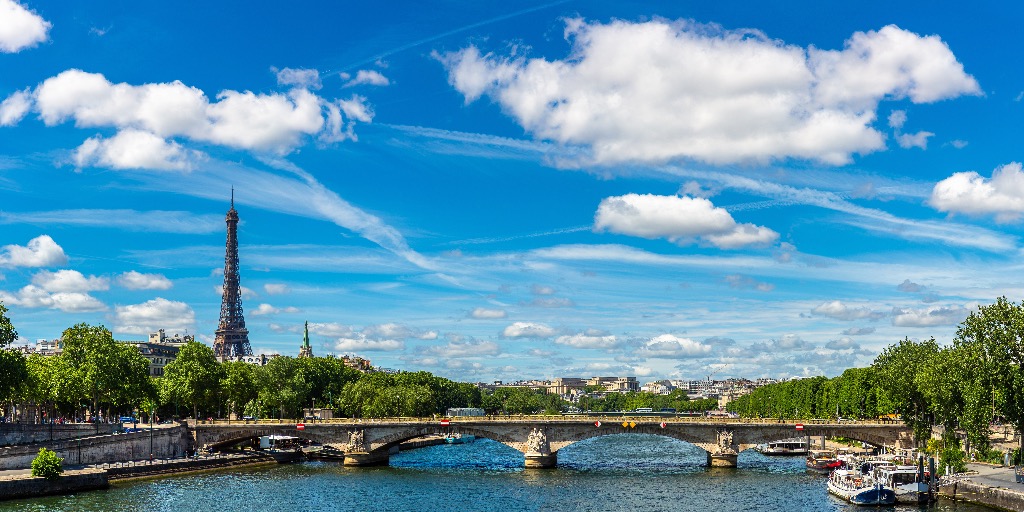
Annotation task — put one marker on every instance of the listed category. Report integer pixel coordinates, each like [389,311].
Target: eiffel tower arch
[232,338]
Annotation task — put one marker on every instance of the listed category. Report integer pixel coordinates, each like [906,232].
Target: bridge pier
[536,460]
[721,460]
[377,458]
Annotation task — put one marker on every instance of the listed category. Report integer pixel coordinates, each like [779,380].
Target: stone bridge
[369,442]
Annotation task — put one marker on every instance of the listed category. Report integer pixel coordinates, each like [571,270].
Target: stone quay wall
[28,433]
[25,486]
[169,442]
[982,494]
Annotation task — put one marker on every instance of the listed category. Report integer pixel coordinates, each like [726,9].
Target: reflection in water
[622,472]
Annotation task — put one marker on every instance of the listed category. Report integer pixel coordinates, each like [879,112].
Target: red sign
[597,423]
[445,423]
[300,426]
[663,424]
[799,426]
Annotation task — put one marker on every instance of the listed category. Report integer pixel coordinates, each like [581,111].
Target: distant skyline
[524,190]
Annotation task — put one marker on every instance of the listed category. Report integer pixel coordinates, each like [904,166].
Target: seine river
[612,473]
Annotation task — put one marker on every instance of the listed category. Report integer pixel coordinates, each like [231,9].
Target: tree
[107,372]
[193,377]
[995,334]
[13,374]
[897,368]
[239,385]
[47,465]
[8,334]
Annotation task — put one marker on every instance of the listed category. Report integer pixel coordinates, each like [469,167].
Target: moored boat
[859,488]
[910,483]
[823,461]
[458,438]
[796,446]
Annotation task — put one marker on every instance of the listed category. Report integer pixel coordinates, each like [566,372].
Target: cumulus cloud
[909,287]
[487,314]
[305,78]
[148,116]
[842,344]
[589,339]
[33,296]
[928,317]
[858,331]
[267,309]
[276,288]
[14,108]
[395,330]
[41,251]
[20,28]
[133,280]
[367,345]
[837,310]
[246,293]
[69,281]
[464,348]
[661,90]
[153,315]
[528,330]
[365,77]
[914,140]
[680,219]
[135,149]
[972,194]
[670,346]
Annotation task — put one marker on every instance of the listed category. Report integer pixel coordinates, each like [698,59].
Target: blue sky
[524,190]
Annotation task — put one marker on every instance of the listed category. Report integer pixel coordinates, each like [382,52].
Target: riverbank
[993,486]
[20,486]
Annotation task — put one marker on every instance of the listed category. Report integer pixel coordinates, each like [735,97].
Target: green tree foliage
[995,336]
[13,374]
[96,368]
[47,465]
[897,369]
[193,378]
[8,334]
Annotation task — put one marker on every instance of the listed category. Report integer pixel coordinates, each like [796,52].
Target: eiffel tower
[232,338]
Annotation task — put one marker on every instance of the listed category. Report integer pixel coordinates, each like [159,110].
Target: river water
[622,472]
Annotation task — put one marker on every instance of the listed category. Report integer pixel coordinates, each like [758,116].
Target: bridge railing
[527,418]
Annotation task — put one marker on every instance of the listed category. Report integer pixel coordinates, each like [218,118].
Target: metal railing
[587,418]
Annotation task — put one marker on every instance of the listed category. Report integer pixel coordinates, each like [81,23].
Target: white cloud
[661,90]
[133,280]
[272,123]
[276,289]
[542,290]
[130,220]
[972,194]
[69,281]
[366,77]
[267,309]
[305,78]
[589,339]
[487,314]
[837,310]
[552,302]
[858,331]
[14,107]
[33,296]
[20,28]
[897,118]
[465,348]
[367,345]
[909,287]
[842,344]
[528,330]
[679,219]
[928,317]
[914,140]
[741,281]
[670,346]
[153,315]
[41,251]
[332,329]
[136,149]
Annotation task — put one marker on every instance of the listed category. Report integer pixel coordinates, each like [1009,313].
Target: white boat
[859,488]
[785,447]
[457,438]
[908,482]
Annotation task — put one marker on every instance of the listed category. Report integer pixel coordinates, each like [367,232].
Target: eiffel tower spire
[232,338]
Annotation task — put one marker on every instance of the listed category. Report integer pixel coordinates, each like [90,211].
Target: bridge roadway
[370,441]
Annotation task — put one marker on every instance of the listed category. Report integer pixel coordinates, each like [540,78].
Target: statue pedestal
[365,459]
[721,460]
[536,460]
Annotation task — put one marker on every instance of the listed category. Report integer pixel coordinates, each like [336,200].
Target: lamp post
[152,409]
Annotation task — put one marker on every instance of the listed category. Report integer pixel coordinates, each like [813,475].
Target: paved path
[995,476]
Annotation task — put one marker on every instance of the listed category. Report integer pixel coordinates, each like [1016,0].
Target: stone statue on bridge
[725,442]
[356,441]
[537,442]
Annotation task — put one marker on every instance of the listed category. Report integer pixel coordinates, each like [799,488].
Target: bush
[952,457]
[47,465]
